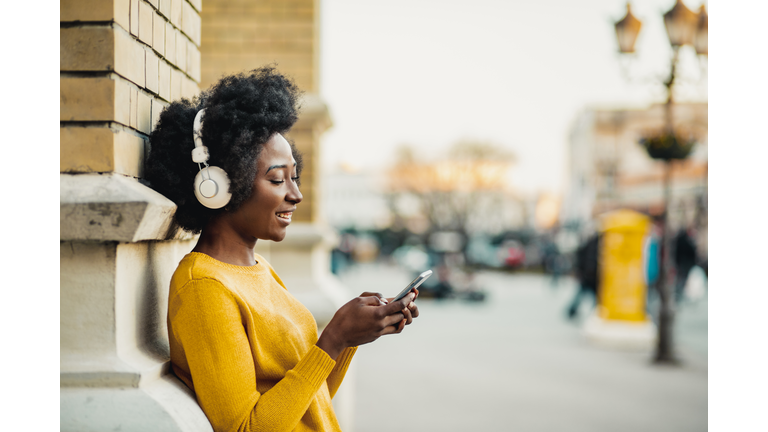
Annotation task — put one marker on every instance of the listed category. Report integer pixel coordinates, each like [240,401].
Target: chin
[278,237]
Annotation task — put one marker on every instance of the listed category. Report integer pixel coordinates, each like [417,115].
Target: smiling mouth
[285,216]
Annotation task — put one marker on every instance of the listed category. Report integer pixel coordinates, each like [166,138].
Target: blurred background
[487,141]
[547,160]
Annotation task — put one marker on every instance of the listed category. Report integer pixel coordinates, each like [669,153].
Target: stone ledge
[111,207]
[165,404]
[314,113]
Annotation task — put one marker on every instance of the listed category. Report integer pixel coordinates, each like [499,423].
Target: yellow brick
[157,108]
[135,17]
[190,23]
[193,61]
[94,99]
[170,43]
[144,113]
[134,106]
[122,102]
[164,80]
[152,72]
[165,8]
[181,50]
[130,59]
[129,154]
[176,7]
[86,49]
[145,22]
[158,34]
[96,10]
[176,79]
[100,150]
[189,88]
[197,4]
[86,149]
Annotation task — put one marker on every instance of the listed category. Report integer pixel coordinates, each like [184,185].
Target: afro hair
[242,112]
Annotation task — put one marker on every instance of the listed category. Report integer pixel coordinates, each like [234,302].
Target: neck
[220,241]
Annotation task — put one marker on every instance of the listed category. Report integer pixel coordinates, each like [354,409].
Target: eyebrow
[278,166]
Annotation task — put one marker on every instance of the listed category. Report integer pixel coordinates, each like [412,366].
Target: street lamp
[681,24]
[700,40]
[684,27]
[627,30]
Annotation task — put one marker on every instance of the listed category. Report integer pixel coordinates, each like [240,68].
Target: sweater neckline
[233,267]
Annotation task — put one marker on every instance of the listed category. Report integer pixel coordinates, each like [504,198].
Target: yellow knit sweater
[246,347]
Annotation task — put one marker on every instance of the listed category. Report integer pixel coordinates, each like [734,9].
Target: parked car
[512,254]
[481,252]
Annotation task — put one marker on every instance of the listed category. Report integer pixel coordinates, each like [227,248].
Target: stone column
[121,62]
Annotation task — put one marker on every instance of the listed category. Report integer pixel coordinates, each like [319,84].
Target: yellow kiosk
[620,318]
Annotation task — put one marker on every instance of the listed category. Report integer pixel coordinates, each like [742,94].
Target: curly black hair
[242,112]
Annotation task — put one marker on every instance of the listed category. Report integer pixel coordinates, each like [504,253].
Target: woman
[246,347]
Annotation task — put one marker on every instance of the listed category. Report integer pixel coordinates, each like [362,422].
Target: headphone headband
[200,153]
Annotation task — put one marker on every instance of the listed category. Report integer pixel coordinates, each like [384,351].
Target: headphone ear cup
[212,187]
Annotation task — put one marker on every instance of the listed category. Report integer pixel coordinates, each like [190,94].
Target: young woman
[246,347]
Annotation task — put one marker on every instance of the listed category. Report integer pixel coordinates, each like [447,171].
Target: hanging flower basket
[668,145]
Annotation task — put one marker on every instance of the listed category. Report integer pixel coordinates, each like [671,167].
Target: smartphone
[415,284]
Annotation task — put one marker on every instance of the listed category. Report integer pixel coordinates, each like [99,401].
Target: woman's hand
[410,312]
[364,319]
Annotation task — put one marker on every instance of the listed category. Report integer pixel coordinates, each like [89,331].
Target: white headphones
[211,183]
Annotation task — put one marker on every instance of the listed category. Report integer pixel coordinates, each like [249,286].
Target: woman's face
[267,212]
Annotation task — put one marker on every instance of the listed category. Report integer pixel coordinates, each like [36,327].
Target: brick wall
[122,62]
[240,35]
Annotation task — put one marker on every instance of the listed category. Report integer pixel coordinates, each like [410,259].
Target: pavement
[515,363]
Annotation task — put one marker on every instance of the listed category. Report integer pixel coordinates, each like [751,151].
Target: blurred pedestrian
[552,261]
[652,259]
[586,273]
[685,259]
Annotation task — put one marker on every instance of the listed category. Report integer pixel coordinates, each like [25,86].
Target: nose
[294,194]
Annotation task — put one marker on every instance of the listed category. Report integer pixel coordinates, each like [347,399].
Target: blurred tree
[461,192]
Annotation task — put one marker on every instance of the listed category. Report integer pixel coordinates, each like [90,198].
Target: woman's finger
[372,301]
[414,309]
[395,328]
[407,314]
[395,307]
[393,320]
[369,294]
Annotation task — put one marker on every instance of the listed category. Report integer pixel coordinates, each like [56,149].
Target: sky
[515,73]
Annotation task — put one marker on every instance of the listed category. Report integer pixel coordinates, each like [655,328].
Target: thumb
[399,305]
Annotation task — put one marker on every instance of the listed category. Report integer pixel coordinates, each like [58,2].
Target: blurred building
[609,169]
[355,199]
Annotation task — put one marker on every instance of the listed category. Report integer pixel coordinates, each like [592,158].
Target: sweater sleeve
[208,322]
[340,370]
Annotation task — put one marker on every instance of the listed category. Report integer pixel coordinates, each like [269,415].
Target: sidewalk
[514,363]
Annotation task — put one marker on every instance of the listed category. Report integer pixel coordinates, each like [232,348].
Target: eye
[277,182]
[297,180]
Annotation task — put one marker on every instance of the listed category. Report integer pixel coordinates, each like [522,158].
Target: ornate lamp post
[684,27]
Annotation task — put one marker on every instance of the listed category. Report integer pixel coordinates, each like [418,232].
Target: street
[515,363]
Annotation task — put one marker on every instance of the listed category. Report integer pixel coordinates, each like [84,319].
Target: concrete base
[165,404]
[620,334]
